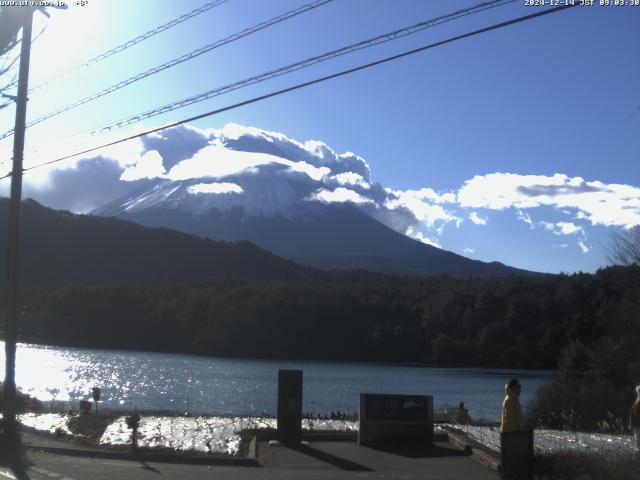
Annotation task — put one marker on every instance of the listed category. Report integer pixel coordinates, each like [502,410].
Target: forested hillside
[60,248]
[510,322]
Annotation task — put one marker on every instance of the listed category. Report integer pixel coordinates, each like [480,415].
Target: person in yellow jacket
[512,419]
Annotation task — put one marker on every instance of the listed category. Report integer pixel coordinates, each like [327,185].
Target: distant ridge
[60,247]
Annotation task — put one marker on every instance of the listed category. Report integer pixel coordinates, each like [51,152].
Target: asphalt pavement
[312,461]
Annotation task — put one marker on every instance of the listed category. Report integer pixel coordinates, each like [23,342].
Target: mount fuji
[301,201]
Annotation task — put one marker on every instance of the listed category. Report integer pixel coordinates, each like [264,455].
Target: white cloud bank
[599,203]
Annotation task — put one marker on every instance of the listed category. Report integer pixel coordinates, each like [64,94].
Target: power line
[303,64]
[134,41]
[14,81]
[176,61]
[380,39]
[306,84]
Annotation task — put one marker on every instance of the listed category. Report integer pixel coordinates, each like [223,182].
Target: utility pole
[11,320]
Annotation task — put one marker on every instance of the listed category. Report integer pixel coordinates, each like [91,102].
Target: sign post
[95,391]
[133,422]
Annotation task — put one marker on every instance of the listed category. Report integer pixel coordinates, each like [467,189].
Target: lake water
[180,383]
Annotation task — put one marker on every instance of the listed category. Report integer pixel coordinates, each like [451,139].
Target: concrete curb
[330,436]
[460,442]
[252,450]
[487,459]
[149,456]
[481,455]
[318,436]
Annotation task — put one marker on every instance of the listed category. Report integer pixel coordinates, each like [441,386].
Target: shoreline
[550,372]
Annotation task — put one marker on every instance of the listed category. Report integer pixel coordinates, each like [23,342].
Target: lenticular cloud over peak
[313,152]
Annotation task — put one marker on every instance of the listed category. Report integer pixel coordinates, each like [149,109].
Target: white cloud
[425,194]
[523,217]
[477,219]
[314,152]
[318,148]
[125,153]
[419,202]
[215,161]
[149,166]
[583,246]
[600,203]
[416,235]
[351,179]
[568,228]
[216,188]
[562,228]
[233,131]
[316,173]
[468,250]
[339,195]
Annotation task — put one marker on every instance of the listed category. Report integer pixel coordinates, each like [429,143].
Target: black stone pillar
[516,451]
[289,405]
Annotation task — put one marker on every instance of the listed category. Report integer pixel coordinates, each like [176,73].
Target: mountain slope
[328,236]
[302,201]
[59,247]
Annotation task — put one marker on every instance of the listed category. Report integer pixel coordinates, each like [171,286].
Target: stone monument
[289,406]
[392,419]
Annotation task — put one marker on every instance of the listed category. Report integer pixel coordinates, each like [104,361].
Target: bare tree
[625,247]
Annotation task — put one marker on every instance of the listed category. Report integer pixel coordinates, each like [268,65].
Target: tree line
[523,322]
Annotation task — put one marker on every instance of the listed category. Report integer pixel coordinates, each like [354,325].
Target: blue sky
[556,95]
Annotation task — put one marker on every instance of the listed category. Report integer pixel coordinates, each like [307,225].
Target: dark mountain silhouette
[334,236]
[60,247]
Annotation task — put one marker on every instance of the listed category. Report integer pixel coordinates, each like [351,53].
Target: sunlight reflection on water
[180,383]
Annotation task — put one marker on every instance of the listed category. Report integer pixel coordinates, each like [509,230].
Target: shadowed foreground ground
[317,460]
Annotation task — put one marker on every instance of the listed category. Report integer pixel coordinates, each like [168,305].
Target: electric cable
[306,84]
[380,39]
[134,41]
[290,68]
[176,61]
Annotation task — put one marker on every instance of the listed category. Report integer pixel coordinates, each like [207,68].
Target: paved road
[318,460]
[45,466]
